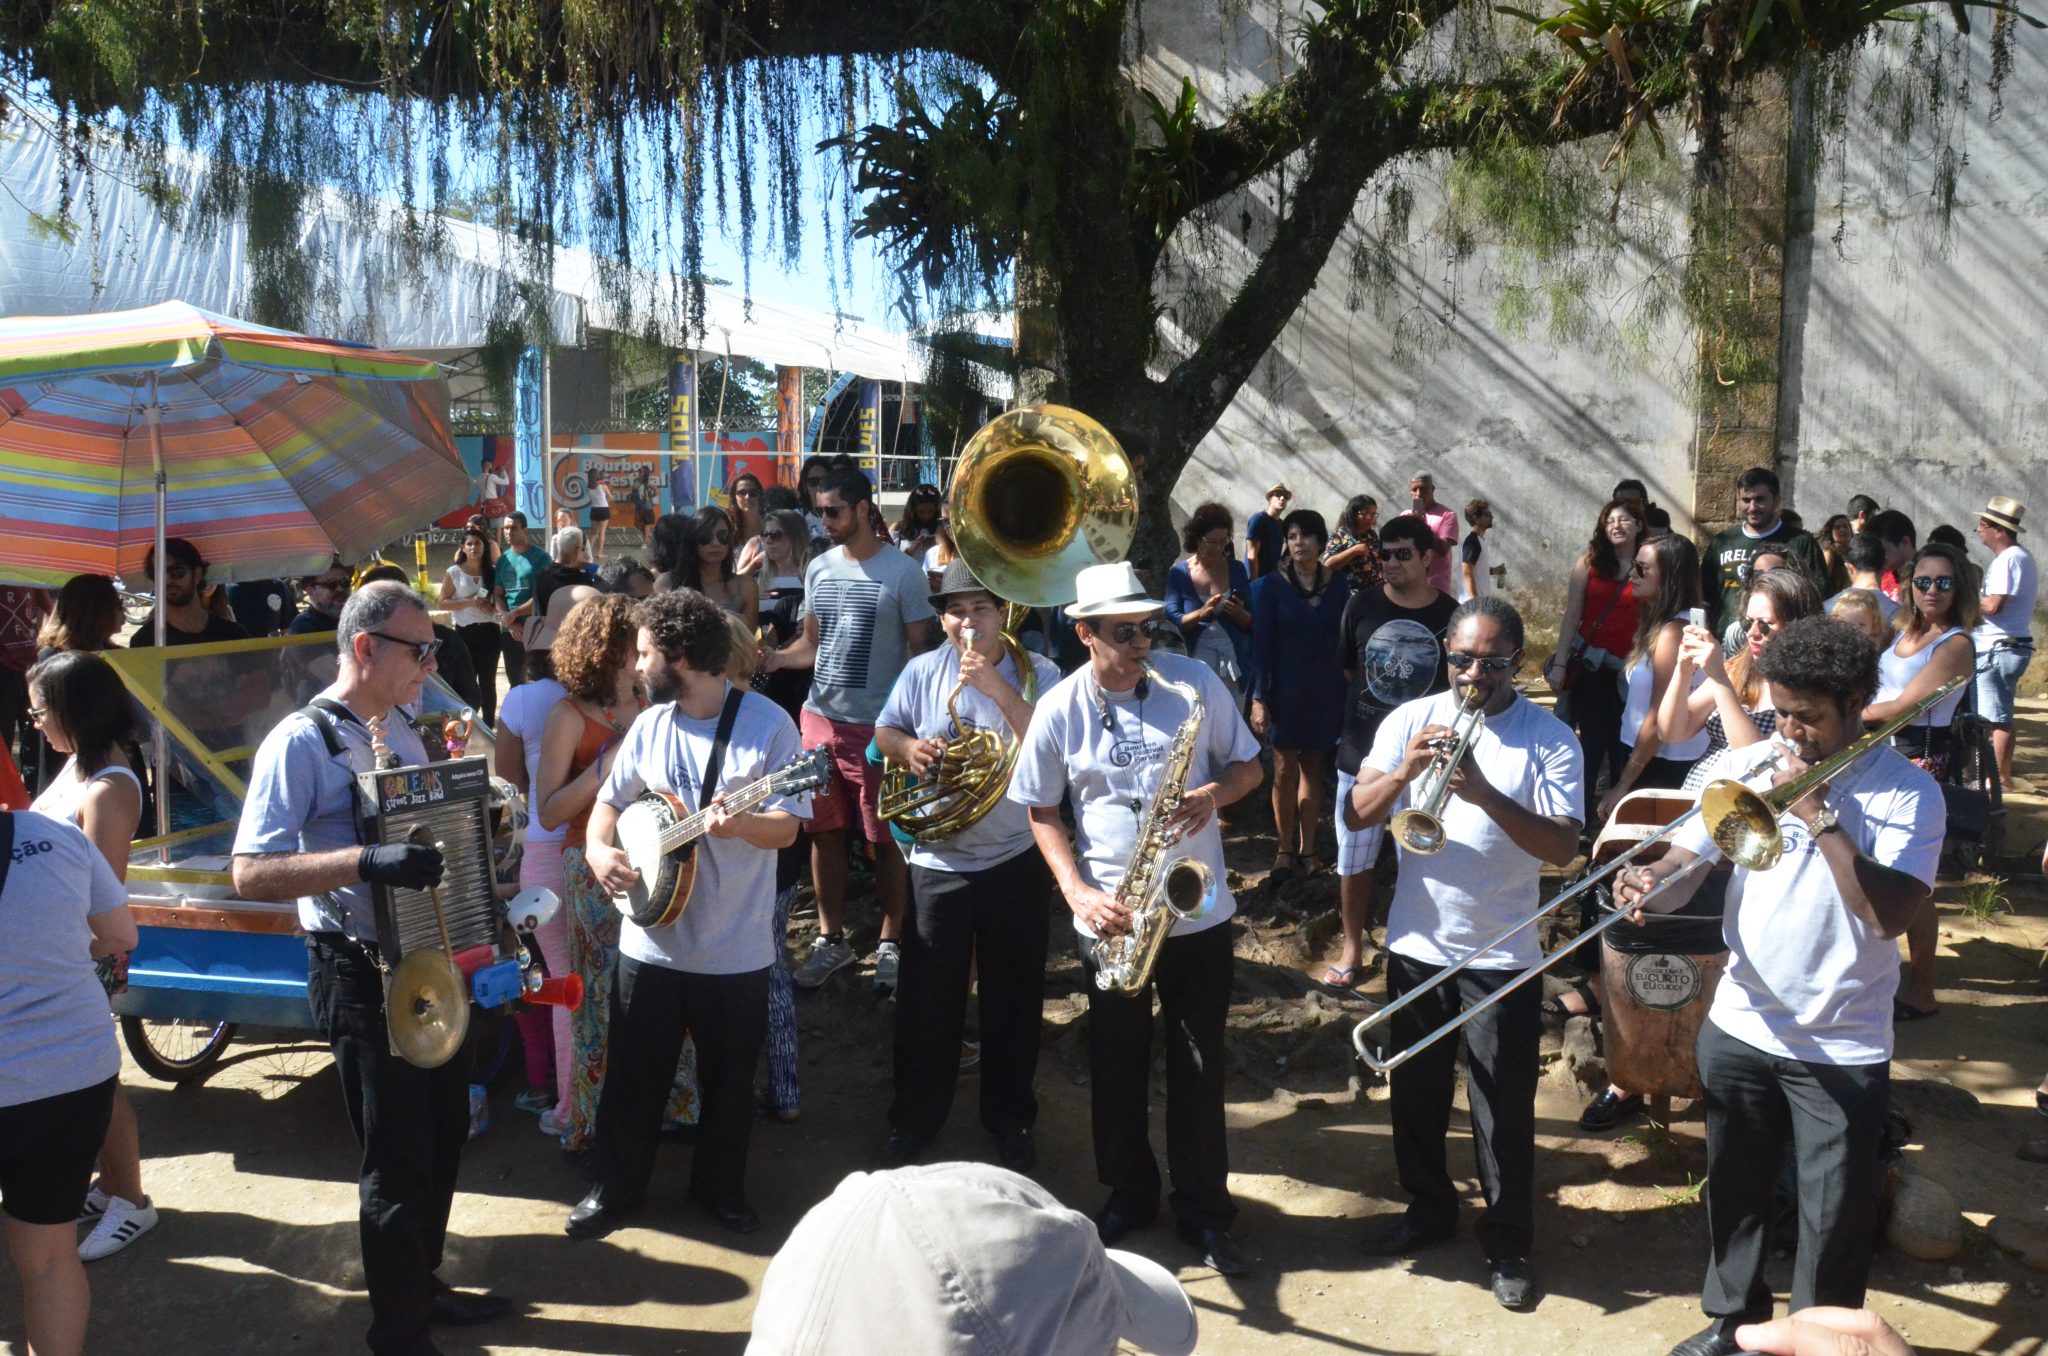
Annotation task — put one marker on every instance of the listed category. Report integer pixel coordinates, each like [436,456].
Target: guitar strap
[715,764]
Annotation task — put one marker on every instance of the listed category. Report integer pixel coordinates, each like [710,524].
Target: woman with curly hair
[593,661]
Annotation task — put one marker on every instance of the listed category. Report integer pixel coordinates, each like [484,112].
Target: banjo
[657,832]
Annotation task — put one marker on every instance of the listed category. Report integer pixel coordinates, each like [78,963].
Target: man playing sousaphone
[1513,804]
[978,893]
[1796,1050]
[1105,736]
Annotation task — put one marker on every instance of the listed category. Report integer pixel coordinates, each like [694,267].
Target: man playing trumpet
[1513,804]
[1796,1049]
[978,895]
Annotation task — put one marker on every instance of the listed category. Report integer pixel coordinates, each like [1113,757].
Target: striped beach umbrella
[270,451]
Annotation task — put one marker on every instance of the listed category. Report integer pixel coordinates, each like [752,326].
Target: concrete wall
[1906,375]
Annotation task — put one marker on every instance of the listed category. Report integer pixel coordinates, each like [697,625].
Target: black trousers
[1501,1087]
[1831,1118]
[1597,704]
[1000,916]
[515,657]
[482,640]
[411,1123]
[1193,980]
[651,1009]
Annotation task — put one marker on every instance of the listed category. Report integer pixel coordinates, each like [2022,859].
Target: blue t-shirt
[515,573]
[54,1033]
[302,799]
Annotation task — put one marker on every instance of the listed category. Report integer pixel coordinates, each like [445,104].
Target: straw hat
[2004,512]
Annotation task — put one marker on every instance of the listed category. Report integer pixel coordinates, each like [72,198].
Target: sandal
[1554,1007]
[1312,865]
[1283,869]
[1902,1011]
[1342,978]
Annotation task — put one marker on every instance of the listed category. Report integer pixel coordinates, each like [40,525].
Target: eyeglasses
[1399,553]
[422,650]
[1216,539]
[36,713]
[1758,624]
[1460,662]
[1931,583]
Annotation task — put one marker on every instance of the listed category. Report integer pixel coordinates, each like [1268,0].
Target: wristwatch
[1823,820]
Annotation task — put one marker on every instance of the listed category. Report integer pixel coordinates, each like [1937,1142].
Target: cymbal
[427,1010]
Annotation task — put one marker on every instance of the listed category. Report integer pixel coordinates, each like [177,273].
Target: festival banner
[868,451]
[684,493]
[529,438]
[789,421]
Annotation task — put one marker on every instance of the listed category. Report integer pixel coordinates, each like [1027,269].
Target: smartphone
[1697,616]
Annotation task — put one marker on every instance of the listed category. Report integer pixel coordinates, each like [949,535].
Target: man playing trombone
[1796,1049]
[1469,866]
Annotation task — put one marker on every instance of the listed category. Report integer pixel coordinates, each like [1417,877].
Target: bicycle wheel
[179,1050]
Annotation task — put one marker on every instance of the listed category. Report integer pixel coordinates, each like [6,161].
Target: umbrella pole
[153,413]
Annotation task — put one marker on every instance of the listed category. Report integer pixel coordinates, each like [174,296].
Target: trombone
[1744,826]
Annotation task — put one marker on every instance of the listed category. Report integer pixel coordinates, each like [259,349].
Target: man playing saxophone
[978,889]
[1513,804]
[1795,1054]
[1105,736]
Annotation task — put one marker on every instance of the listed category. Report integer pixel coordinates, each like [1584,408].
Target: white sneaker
[95,1205]
[826,959]
[888,962]
[552,1124]
[121,1225]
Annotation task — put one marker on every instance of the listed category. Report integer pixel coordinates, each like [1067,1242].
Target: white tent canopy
[125,254]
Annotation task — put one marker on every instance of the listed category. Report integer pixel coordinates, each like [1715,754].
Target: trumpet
[1743,823]
[972,774]
[1420,828]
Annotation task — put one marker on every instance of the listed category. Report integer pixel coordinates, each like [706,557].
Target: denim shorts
[1998,679]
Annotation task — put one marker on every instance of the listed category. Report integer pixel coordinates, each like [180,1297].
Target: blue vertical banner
[529,439]
[870,427]
[681,437]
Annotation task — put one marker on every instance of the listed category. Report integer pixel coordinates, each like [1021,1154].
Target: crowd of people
[795,619]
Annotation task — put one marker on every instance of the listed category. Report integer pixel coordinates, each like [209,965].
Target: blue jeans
[1998,680]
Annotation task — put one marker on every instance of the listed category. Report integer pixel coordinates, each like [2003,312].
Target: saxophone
[1157,890]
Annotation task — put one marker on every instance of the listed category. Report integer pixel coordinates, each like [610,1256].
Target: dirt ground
[254,1171]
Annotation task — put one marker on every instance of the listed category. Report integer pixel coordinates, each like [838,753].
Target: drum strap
[715,764]
[6,845]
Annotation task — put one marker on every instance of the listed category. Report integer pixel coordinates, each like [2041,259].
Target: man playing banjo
[707,972]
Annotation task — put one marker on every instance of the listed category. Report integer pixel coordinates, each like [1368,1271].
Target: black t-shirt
[1394,655]
[553,577]
[313,621]
[1264,529]
[1474,544]
[217,628]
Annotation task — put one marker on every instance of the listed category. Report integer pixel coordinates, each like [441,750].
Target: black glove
[412,866]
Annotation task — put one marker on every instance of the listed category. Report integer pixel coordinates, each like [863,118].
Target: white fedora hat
[1110,591]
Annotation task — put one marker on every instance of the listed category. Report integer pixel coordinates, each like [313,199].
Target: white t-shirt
[1449,903]
[1887,606]
[1807,979]
[1111,764]
[524,711]
[1641,681]
[54,1033]
[470,605]
[1896,672]
[725,930]
[2012,574]
[65,795]
[917,704]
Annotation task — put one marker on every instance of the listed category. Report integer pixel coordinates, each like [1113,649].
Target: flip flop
[1902,1011]
[1554,1007]
[1281,873]
[1343,978]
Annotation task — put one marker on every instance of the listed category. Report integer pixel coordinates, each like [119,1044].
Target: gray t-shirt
[54,1033]
[862,607]
[917,704]
[302,800]
[1108,749]
[725,930]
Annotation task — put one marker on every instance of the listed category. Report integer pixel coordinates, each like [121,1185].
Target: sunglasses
[1399,554]
[422,650]
[772,534]
[746,494]
[329,585]
[834,510]
[1123,633]
[716,539]
[1460,662]
[1928,583]
[1758,624]
[176,571]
